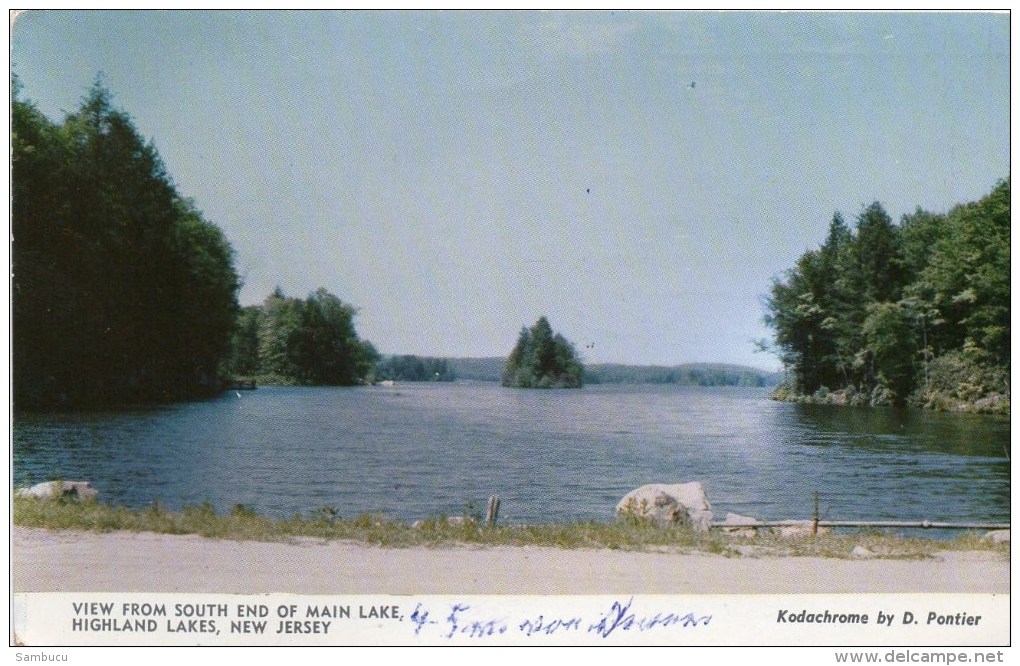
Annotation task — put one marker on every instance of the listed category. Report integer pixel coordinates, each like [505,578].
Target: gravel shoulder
[75,561]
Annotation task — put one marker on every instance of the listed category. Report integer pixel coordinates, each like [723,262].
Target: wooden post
[493,511]
[814,523]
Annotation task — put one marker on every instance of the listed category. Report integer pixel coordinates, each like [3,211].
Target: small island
[543,359]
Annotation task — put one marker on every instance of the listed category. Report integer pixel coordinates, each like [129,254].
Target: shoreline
[45,560]
[994,405]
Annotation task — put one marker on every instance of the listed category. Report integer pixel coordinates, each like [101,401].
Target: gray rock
[455,521]
[861,553]
[737,525]
[997,536]
[460,521]
[800,528]
[989,403]
[80,490]
[736,519]
[669,504]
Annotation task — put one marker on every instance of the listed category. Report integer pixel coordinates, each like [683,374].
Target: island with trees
[543,359]
[916,313]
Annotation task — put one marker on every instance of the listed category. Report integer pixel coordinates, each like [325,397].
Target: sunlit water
[418,450]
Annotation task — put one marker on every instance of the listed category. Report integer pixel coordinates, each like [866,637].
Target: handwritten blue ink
[472,628]
[420,618]
[549,627]
[620,617]
[464,621]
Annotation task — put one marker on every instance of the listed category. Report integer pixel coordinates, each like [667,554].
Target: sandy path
[69,561]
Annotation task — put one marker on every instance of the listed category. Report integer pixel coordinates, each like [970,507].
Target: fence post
[814,523]
[493,511]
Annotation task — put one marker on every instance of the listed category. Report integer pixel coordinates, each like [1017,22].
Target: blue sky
[456,175]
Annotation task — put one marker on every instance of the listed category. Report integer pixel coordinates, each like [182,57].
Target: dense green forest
[121,290]
[916,313]
[294,341]
[543,359]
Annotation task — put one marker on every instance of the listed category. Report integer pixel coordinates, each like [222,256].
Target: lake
[417,450]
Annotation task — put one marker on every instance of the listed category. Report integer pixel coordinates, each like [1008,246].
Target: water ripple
[551,455]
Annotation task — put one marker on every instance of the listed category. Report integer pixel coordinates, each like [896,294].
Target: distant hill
[689,374]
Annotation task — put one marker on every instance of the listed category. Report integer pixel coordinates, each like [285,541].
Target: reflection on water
[416,450]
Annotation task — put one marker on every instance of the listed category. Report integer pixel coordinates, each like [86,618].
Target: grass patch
[244,523]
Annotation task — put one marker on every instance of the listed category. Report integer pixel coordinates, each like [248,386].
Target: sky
[639,178]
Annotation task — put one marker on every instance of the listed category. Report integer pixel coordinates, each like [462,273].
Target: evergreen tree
[543,359]
[244,343]
[968,276]
[877,247]
[278,336]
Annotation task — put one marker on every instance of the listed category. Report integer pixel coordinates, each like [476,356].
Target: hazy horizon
[639,178]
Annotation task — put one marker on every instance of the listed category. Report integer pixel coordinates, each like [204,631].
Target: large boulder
[80,490]
[669,504]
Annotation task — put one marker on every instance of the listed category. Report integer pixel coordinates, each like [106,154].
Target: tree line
[411,368]
[910,313]
[691,374]
[300,341]
[313,341]
[121,289]
[123,292]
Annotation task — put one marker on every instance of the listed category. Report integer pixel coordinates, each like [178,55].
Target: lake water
[417,450]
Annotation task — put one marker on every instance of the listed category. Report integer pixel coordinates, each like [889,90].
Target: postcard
[343,328]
